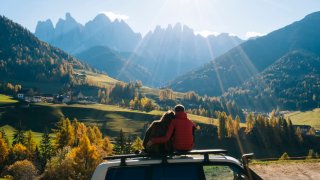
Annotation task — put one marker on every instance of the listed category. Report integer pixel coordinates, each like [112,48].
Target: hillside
[24,57]
[114,64]
[251,57]
[311,118]
[110,119]
[291,83]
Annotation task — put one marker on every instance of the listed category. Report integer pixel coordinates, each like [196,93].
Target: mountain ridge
[251,57]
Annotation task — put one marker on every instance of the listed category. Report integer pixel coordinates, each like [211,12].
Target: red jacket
[183,129]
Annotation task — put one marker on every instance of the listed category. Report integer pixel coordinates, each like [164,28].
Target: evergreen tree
[121,143]
[46,149]
[222,118]
[18,136]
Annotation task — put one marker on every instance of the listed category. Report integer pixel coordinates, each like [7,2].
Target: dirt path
[289,170]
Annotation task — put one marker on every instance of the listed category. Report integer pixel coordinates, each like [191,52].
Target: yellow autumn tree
[81,131]
[137,144]
[4,151]
[30,143]
[19,152]
[64,134]
[85,158]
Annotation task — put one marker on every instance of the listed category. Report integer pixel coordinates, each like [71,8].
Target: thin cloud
[113,16]
[254,34]
[206,33]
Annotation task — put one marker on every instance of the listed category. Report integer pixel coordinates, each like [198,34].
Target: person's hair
[167,117]
[179,108]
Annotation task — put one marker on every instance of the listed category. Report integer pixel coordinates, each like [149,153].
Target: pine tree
[121,142]
[222,118]
[46,149]
[18,136]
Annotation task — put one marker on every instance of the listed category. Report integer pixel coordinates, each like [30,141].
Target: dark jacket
[157,129]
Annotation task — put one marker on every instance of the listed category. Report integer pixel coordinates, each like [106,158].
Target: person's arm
[165,138]
[147,136]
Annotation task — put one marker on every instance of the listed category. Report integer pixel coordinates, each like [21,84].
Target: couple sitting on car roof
[173,132]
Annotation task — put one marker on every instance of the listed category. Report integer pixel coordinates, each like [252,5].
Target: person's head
[167,117]
[179,108]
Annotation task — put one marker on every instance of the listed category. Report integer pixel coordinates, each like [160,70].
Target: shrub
[22,170]
[284,156]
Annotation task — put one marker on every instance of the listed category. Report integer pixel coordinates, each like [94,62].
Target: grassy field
[311,118]
[6,100]
[9,130]
[110,119]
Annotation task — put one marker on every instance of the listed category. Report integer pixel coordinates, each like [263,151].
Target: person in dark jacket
[157,129]
[181,130]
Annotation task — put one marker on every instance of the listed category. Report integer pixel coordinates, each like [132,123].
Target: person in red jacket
[181,129]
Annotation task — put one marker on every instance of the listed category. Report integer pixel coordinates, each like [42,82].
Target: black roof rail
[205,152]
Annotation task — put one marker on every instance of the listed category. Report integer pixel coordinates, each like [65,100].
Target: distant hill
[24,57]
[292,83]
[176,50]
[74,37]
[114,64]
[251,57]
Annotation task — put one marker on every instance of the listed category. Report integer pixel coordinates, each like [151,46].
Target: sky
[244,18]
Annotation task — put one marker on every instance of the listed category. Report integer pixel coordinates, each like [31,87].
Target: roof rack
[205,153]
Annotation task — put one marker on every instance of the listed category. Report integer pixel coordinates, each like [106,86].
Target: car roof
[174,160]
[202,157]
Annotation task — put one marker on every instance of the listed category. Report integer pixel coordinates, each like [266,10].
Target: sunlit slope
[9,130]
[110,119]
[311,118]
[6,99]
[251,57]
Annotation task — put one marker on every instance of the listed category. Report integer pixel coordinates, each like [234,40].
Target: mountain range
[74,37]
[251,58]
[174,50]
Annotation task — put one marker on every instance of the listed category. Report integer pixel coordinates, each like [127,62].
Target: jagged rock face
[73,37]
